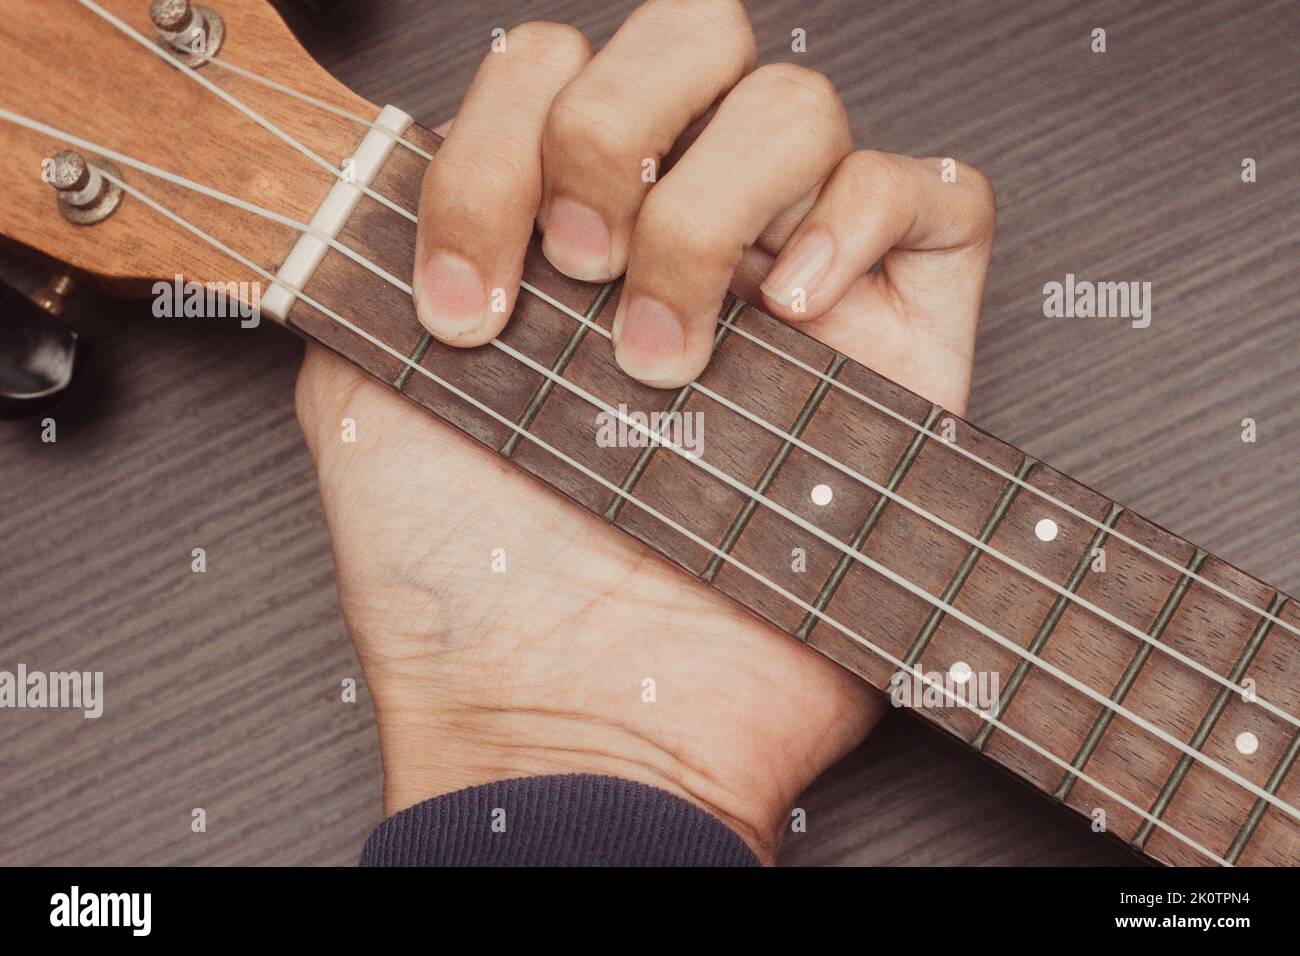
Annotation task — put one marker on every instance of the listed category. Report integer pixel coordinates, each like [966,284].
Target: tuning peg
[191,31]
[86,196]
[39,355]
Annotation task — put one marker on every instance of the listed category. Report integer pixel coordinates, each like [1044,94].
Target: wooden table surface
[223,688]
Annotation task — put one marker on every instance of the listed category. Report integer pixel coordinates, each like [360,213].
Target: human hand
[478,676]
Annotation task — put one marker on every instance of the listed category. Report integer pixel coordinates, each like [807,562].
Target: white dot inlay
[822,495]
[960,672]
[1247,743]
[1046,530]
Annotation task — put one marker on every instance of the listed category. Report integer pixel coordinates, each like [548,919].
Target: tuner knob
[39,355]
[86,196]
[190,31]
[171,15]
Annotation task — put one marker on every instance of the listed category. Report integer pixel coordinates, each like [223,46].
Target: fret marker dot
[959,672]
[1046,530]
[822,495]
[1247,743]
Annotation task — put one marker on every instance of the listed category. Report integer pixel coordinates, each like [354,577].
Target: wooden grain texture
[221,707]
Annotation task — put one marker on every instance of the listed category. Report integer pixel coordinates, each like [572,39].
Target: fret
[1208,723]
[1082,643]
[628,484]
[769,473]
[868,525]
[1130,674]
[1256,814]
[1207,806]
[1267,836]
[729,313]
[968,563]
[1045,629]
[580,331]
[417,353]
[742,372]
[489,375]
[573,426]
[864,441]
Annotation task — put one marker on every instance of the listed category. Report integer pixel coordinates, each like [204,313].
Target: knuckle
[873,173]
[585,125]
[683,232]
[481,183]
[797,87]
[554,42]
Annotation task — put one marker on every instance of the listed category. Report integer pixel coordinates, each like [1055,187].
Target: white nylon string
[896,578]
[321,104]
[703,389]
[610,486]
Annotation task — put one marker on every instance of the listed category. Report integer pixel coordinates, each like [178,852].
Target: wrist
[429,754]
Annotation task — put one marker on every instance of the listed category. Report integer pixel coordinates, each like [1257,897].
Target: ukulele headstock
[67,66]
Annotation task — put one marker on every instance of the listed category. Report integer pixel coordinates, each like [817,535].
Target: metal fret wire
[610,486]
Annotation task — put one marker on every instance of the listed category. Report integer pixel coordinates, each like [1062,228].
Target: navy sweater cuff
[563,820]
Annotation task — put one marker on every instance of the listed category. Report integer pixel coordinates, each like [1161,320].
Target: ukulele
[1120,670]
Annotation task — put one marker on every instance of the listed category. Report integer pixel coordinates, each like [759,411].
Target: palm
[558,646]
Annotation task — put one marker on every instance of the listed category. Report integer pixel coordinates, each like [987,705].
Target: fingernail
[576,241]
[649,341]
[798,269]
[450,297]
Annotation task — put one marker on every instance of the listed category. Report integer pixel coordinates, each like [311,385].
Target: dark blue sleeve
[566,820]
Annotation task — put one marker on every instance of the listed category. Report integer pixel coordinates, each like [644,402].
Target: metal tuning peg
[85,195]
[39,355]
[189,31]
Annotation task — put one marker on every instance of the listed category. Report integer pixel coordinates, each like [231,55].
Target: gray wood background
[222,688]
